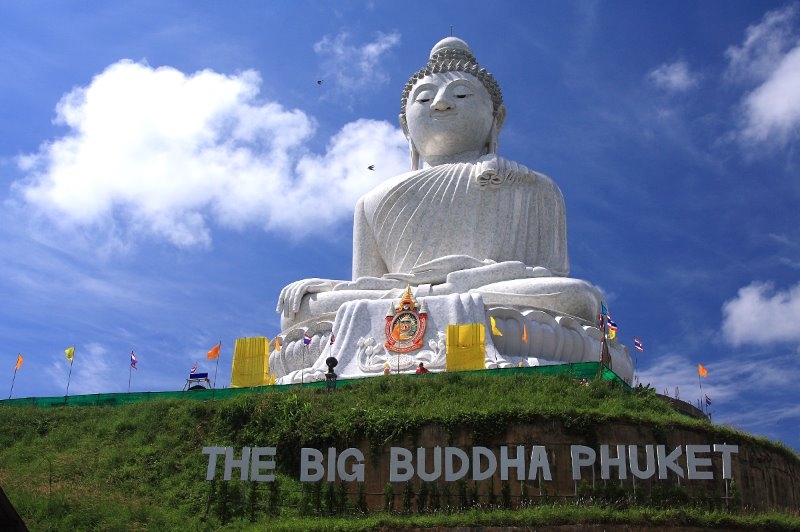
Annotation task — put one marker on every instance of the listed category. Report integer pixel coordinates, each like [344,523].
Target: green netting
[582,370]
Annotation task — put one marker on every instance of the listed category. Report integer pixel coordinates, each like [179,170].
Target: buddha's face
[449,113]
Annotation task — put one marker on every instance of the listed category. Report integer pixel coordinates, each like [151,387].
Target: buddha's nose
[442,103]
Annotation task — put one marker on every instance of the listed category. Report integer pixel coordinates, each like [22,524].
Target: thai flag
[134,361]
[194,368]
[611,324]
[306,339]
[638,345]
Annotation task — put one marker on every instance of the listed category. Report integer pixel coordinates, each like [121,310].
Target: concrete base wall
[762,477]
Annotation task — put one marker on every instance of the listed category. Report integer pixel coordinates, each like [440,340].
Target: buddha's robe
[490,210]
[461,209]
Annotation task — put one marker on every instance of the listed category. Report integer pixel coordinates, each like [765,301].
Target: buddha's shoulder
[488,172]
[384,187]
[513,167]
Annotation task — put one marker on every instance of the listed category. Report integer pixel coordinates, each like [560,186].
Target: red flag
[20,359]
[214,351]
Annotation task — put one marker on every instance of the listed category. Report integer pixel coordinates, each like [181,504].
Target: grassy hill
[140,466]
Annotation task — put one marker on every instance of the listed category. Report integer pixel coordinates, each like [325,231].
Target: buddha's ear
[500,118]
[403,124]
[494,134]
[412,149]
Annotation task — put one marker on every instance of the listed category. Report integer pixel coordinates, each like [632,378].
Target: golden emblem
[405,324]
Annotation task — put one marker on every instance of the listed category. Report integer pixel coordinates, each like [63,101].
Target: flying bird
[320,81]
[371,167]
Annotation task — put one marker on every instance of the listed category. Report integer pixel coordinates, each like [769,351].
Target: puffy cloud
[350,66]
[156,152]
[760,315]
[93,374]
[342,175]
[764,45]
[674,77]
[769,57]
[772,110]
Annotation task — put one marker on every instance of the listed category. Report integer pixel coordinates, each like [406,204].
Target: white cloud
[772,110]
[158,153]
[350,66]
[762,381]
[760,315]
[674,77]
[91,371]
[769,57]
[764,45]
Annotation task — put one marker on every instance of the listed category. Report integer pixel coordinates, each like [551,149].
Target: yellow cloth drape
[466,347]
[250,362]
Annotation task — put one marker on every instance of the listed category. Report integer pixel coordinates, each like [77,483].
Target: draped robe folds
[489,209]
[516,215]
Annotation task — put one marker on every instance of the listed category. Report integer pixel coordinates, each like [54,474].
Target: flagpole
[216,367]
[700,381]
[69,376]
[12,383]
[603,312]
[130,372]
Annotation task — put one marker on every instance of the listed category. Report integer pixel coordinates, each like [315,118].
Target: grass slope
[140,466]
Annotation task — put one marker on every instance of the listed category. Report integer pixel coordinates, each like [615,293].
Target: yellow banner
[466,347]
[250,362]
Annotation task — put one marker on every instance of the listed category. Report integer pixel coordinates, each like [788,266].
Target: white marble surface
[360,336]
[463,225]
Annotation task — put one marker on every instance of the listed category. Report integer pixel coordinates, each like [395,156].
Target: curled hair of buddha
[454,55]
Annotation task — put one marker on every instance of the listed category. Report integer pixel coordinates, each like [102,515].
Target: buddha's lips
[443,115]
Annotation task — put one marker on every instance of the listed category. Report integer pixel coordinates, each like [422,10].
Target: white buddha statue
[462,221]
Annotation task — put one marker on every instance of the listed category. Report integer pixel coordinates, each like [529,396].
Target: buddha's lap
[562,295]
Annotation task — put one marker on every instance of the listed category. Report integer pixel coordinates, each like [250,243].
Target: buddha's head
[451,109]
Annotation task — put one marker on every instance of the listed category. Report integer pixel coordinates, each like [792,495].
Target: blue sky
[166,169]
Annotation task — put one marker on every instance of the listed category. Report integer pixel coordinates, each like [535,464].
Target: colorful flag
[612,333]
[611,325]
[524,333]
[194,368]
[708,400]
[306,339]
[603,309]
[277,343]
[333,338]
[134,360]
[214,351]
[495,330]
[70,352]
[20,360]
[638,345]
[702,371]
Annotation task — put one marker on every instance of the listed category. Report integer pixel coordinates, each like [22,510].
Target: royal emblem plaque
[405,324]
